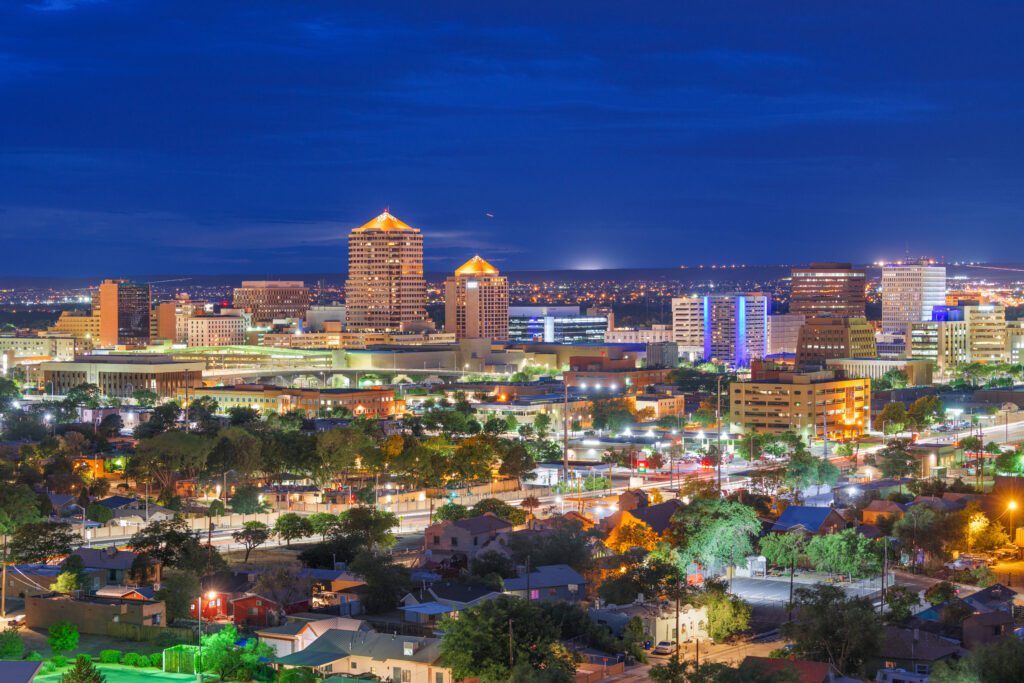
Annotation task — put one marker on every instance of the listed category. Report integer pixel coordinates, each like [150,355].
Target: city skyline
[253,140]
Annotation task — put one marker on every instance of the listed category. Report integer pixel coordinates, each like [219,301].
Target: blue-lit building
[556,324]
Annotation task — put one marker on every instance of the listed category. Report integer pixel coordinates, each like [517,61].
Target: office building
[313,401]
[919,372]
[688,326]
[824,338]
[817,403]
[664,354]
[476,302]
[828,289]
[317,317]
[655,334]
[385,289]
[46,347]
[172,317]
[269,300]
[726,328]
[215,330]
[784,332]
[964,334]
[124,313]
[556,324]
[909,293]
[121,375]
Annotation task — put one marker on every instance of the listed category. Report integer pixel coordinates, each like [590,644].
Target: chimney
[409,648]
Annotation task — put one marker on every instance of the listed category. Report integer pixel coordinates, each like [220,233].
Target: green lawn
[116,673]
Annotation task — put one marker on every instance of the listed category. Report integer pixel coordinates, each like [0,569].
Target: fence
[181,659]
[150,634]
[200,524]
[589,673]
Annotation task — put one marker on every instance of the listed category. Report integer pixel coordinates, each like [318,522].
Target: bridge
[320,377]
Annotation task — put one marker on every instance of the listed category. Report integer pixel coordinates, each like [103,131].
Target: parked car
[966,562]
[665,647]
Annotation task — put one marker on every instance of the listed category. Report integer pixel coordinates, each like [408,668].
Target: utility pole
[510,661]
[565,429]
[718,419]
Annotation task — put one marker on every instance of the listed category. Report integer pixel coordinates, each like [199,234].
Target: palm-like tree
[530,503]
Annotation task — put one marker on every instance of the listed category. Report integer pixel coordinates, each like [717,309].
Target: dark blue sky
[213,136]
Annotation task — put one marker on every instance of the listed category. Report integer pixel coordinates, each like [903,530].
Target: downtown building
[557,324]
[729,328]
[385,289]
[822,339]
[124,312]
[828,289]
[964,334]
[269,300]
[909,294]
[476,302]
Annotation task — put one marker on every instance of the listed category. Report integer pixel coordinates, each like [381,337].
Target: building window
[535,594]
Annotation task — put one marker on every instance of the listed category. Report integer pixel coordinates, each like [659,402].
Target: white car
[665,647]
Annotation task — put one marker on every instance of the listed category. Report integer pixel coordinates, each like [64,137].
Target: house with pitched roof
[634,509]
[116,565]
[816,521]
[408,659]
[548,582]
[878,509]
[913,650]
[463,538]
[295,635]
[426,605]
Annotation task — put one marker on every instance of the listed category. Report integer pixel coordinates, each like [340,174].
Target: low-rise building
[548,582]
[918,372]
[816,521]
[122,375]
[409,659]
[373,403]
[464,537]
[92,614]
[296,635]
[659,620]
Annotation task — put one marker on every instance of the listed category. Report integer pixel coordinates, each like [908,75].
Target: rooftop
[546,576]
[385,223]
[476,266]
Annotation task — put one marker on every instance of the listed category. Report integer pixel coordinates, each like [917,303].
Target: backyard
[116,673]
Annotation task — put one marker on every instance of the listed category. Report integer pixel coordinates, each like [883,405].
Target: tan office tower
[476,302]
[910,293]
[828,289]
[124,313]
[268,300]
[825,338]
[385,289]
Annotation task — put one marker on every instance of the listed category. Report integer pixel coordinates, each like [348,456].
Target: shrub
[47,668]
[59,661]
[130,659]
[33,657]
[63,636]
[11,645]
[156,660]
[110,656]
[142,662]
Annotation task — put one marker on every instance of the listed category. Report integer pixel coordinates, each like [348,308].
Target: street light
[1012,507]
[210,596]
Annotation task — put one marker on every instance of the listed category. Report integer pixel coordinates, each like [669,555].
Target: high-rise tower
[828,289]
[476,302]
[385,289]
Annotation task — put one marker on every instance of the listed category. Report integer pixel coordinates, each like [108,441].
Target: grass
[116,673]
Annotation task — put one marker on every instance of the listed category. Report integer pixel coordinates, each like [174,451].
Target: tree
[492,563]
[246,500]
[37,542]
[478,643]
[99,513]
[891,379]
[833,628]
[72,575]
[283,584]
[926,411]
[83,671]
[169,455]
[178,589]
[251,535]
[224,657]
[530,503]
[501,510]
[516,461]
[565,543]
[893,418]
[895,461]
[11,645]
[631,535]
[783,550]
[243,416]
[290,526]
[940,592]
[145,397]
[234,449]
[173,543]
[386,581]
[712,531]
[727,614]
[901,601]
[451,512]
[846,552]
[324,524]
[369,527]
[1001,660]
[63,636]
[110,425]
[542,425]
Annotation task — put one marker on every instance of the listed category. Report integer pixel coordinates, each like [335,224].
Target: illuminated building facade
[964,334]
[824,338]
[556,324]
[216,330]
[909,294]
[828,289]
[371,403]
[727,328]
[385,289]
[818,402]
[270,300]
[124,313]
[121,375]
[784,332]
[476,302]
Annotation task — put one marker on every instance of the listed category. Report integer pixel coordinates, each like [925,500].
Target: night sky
[245,136]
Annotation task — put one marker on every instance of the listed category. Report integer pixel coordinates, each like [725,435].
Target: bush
[110,656]
[130,659]
[142,662]
[11,645]
[63,636]
[33,657]
[156,660]
[59,661]
[47,668]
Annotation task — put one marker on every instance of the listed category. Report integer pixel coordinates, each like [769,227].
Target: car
[665,647]
[963,563]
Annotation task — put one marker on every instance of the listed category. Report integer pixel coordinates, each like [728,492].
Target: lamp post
[199,662]
[1011,508]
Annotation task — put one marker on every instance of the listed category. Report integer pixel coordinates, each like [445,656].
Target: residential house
[127,510]
[634,509]
[253,610]
[996,597]
[335,587]
[401,659]
[296,635]
[855,494]
[878,509]
[548,582]
[986,627]
[816,521]
[791,669]
[37,579]
[913,650]
[117,564]
[64,505]
[225,586]
[91,614]
[126,593]
[464,538]
[659,620]
[428,604]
